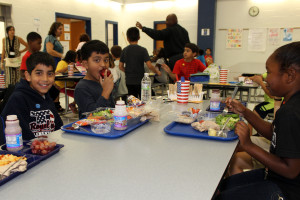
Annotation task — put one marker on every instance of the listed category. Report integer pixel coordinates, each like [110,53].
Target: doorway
[74,26]
[111,33]
[159,25]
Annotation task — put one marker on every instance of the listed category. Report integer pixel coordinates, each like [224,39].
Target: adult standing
[52,45]
[174,36]
[12,55]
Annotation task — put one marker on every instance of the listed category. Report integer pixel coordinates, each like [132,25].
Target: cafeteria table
[145,164]
[230,86]
[66,79]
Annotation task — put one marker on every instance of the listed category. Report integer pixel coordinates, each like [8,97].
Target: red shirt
[23,63]
[183,68]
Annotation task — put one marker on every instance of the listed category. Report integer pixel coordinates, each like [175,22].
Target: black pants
[134,90]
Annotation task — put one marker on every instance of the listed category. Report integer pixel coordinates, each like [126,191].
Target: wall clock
[253,11]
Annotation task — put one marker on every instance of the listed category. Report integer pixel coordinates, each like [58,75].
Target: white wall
[24,11]
[234,14]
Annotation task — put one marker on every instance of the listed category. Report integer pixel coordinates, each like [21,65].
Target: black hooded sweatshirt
[37,114]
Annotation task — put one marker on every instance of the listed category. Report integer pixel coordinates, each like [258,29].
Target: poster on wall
[66,27]
[234,38]
[67,36]
[37,25]
[274,36]
[287,34]
[66,45]
[257,39]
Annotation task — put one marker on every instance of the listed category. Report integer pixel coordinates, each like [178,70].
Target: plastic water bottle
[146,88]
[13,133]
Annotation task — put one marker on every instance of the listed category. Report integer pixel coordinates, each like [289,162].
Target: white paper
[37,25]
[67,36]
[205,31]
[257,39]
[66,45]
[274,36]
[234,38]
[66,27]
[287,34]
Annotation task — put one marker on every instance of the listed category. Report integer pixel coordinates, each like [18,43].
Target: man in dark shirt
[174,36]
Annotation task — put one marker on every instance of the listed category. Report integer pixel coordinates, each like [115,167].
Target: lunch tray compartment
[131,125]
[32,159]
[186,130]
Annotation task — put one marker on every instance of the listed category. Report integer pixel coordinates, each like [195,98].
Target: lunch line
[145,145]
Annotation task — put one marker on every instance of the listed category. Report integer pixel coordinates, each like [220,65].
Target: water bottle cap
[146,74]
[11,117]
[120,102]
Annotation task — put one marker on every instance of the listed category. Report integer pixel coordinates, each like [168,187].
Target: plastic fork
[232,97]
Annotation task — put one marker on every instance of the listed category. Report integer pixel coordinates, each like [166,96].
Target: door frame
[155,23]
[115,31]
[88,27]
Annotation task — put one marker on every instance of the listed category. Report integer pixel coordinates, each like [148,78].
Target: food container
[200,77]
[101,127]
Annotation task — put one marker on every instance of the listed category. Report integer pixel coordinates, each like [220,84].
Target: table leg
[66,97]
[249,94]
[241,95]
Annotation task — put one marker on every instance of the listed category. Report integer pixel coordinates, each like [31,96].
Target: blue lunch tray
[32,160]
[186,130]
[131,125]
[27,150]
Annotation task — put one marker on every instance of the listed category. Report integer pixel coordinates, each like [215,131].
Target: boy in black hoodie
[31,102]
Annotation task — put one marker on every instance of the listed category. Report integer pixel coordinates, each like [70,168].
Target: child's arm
[61,68]
[24,43]
[152,68]
[286,167]
[168,70]
[121,66]
[263,127]
[259,80]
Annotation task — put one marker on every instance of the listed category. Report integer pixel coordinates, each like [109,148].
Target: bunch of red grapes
[42,147]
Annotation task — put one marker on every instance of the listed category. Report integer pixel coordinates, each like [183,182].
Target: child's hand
[107,84]
[158,73]
[242,130]
[235,106]
[166,68]
[257,79]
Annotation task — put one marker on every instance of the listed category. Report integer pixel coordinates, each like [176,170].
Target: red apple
[102,72]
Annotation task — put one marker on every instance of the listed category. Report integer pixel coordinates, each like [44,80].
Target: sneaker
[73,108]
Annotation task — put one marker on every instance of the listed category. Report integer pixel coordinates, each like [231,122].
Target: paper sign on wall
[234,38]
[67,36]
[287,34]
[66,45]
[257,39]
[37,25]
[274,36]
[66,27]
[205,32]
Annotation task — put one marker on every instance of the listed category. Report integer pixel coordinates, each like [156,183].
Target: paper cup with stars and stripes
[183,89]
